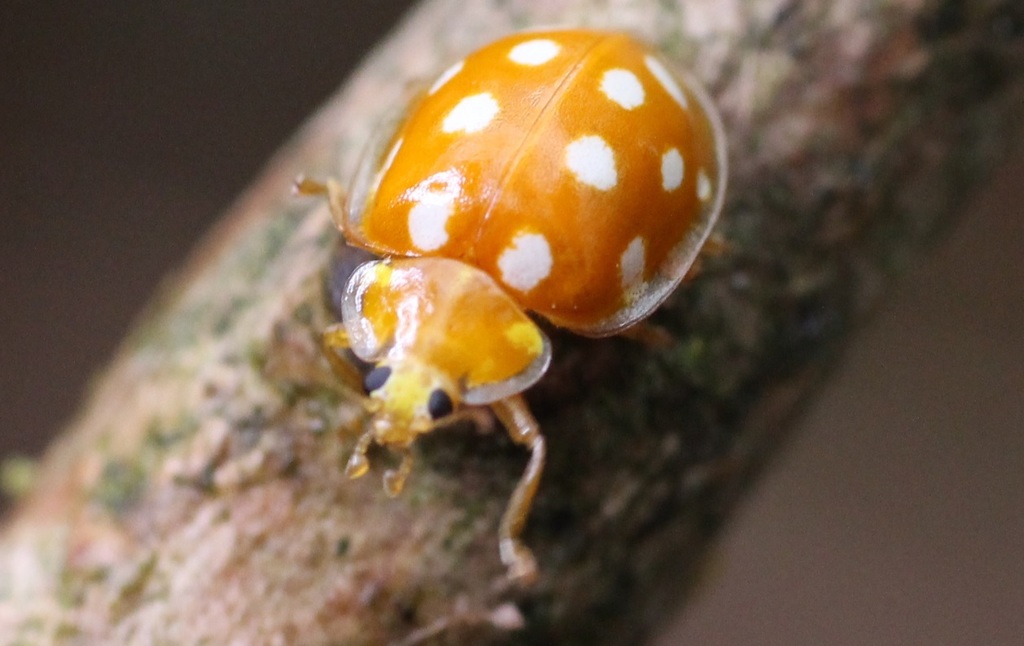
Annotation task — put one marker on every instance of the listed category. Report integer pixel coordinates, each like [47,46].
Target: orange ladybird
[565,173]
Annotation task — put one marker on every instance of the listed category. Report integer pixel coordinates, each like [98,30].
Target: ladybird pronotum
[566,173]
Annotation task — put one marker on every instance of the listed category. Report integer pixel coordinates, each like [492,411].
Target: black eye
[439,404]
[376,378]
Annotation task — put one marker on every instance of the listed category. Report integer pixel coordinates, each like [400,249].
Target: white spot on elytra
[623,87]
[433,205]
[666,79]
[703,186]
[445,77]
[592,161]
[471,114]
[427,225]
[671,170]
[631,264]
[534,52]
[526,261]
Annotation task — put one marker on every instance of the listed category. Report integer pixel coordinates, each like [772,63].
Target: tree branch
[199,495]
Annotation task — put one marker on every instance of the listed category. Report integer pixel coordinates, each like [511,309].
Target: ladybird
[568,174]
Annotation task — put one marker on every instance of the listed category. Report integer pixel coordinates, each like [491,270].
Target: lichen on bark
[198,496]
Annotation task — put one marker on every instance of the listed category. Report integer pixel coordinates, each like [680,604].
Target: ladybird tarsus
[394,479]
[358,465]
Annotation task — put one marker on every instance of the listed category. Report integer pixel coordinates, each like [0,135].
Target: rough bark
[198,497]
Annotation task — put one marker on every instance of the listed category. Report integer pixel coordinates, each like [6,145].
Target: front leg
[394,479]
[523,429]
[358,465]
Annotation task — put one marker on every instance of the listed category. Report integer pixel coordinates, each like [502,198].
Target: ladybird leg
[714,247]
[394,479]
[306,187]
[358,465]
[330,189]
[523,429]
[336,199]
[651,335]
[333,339]
[478,416]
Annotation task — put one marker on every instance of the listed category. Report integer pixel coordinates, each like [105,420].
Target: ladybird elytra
[566,173]
[542,156]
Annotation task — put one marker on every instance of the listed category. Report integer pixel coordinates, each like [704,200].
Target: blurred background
[895,515]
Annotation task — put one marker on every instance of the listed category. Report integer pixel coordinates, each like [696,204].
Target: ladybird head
[407,397]
[440,333]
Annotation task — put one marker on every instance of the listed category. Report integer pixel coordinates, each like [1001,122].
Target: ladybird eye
[376,378]
[440,404]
